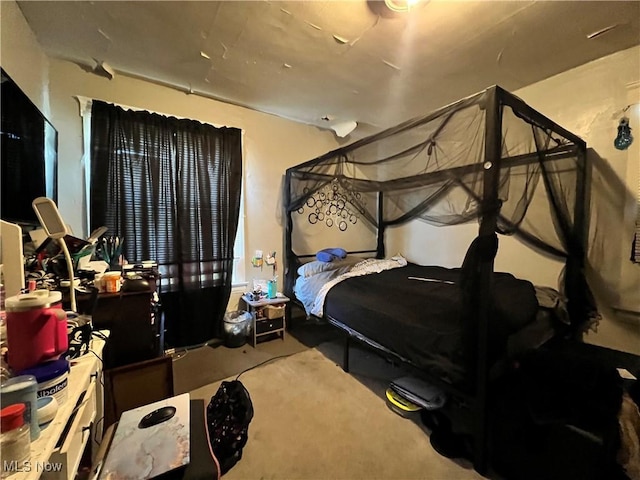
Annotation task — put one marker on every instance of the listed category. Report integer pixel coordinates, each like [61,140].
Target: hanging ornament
[624,138]
[333,205]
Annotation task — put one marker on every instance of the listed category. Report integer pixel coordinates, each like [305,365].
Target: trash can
[236,328]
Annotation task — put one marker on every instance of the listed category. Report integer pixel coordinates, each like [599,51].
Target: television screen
[29,146]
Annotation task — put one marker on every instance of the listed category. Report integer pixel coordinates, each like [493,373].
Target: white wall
[270,144]
[22,57]
[588,101]
[25,62]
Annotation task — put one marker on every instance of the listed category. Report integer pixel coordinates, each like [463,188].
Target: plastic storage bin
[236,328]
[22,389]
[14,439]
[52,378]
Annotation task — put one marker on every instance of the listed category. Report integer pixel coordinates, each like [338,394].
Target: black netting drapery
[435,168]
[171,188]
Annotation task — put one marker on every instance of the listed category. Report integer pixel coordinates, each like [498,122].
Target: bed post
[380,251]
[581,197]
[488,222]
[575,265]
[288,248]
[345,357]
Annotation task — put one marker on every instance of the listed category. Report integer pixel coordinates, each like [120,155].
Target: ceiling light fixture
[103,69]
[400,5]
[344,128]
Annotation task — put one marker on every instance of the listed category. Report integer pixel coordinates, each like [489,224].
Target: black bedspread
[427,322]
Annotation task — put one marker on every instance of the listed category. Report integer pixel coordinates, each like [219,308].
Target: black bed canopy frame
[557,156]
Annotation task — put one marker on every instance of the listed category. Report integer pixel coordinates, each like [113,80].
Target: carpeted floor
[204,365]
[314,421]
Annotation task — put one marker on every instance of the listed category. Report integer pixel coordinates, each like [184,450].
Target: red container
[36,328]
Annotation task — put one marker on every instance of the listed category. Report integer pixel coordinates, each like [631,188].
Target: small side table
[269,316]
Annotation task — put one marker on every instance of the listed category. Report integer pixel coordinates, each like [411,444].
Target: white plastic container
[99,283]
[22,389]
[112,281]
[14,439]
[52,378]
[47,409]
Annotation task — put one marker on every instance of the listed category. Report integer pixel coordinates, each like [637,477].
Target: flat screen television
[29,145]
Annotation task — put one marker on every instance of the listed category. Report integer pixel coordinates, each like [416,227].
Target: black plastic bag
[228,416]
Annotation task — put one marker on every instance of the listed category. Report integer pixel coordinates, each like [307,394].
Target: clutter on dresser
[79,331]
[36,328]
[22,390]
[51,378]
[129,307]
[41,339]
[52,412]
[110,250]
[134,282]
[48,392]
[111,281]
[47,409]
[15,442]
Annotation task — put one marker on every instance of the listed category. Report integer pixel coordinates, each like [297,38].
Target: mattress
[419,313]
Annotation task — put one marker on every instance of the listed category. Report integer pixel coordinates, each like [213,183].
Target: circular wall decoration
[333,205]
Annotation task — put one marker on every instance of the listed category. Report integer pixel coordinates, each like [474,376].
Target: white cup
[98,282]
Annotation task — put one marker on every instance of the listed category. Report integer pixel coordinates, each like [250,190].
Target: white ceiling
[325,63]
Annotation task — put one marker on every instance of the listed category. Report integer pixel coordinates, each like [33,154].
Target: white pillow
[315,267]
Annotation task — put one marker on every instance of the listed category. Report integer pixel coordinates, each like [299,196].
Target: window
[238,276]
[172,188]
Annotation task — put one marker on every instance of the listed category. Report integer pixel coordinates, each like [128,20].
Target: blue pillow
[331,254]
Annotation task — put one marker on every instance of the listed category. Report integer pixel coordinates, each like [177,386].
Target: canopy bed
[489,158]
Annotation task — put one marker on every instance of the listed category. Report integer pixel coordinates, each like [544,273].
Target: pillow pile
[331,254]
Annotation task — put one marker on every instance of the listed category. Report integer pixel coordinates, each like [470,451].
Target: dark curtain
[171,188]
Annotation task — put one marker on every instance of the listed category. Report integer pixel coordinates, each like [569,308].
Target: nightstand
[269,317]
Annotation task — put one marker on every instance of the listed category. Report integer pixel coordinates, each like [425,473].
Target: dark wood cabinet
[135,323]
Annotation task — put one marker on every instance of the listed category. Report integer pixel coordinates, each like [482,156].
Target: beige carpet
[314,421]
[204,365]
